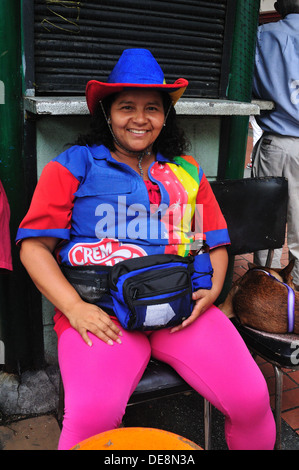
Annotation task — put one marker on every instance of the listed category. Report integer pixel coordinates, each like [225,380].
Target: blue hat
[136,68]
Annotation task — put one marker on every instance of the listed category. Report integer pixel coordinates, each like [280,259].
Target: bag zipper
[157,275]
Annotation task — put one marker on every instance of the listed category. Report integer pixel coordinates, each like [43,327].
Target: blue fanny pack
[148,293]
[154,292]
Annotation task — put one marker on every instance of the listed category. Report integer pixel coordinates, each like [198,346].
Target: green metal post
[22,340]
[240,84]
[235,128]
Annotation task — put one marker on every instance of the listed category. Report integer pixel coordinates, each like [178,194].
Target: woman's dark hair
[170,143]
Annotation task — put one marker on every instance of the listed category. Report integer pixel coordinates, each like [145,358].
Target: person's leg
[212,357]
[291,172]
[279,156]
[268,160]
[98,382]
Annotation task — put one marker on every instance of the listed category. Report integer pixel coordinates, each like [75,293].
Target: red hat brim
[97,91]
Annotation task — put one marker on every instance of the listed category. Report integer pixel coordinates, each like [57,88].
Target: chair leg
[278,400]
[208,423]
[60,410]
[269,257]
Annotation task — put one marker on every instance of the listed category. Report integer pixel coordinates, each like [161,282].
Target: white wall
[267,5]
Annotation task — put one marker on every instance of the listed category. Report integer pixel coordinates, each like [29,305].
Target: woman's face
[137,118]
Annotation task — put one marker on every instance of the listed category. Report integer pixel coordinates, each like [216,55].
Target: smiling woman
[136,120]
[171,140]
[134,162]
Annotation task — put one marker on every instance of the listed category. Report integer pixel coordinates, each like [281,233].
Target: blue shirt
[101,209]
[276,75]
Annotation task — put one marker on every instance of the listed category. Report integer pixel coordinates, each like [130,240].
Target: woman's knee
[250,402]
[95,415]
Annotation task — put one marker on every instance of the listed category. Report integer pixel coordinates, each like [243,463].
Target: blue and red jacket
[100,209]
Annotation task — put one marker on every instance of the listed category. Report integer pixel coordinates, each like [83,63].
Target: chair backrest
[255,210]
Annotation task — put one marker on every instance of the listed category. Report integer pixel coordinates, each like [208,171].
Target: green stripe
[189,167]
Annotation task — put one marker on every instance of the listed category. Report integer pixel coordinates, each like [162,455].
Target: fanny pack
[91,282]
[149,292]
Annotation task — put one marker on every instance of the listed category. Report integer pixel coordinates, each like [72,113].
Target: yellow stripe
[191,186]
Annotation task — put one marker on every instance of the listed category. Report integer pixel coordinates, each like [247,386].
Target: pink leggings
[209,354]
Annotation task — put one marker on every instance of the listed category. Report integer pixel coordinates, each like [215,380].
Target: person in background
[276,78]
[135,153]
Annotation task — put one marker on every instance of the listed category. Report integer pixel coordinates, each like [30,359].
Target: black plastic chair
[260,210]
[255,210]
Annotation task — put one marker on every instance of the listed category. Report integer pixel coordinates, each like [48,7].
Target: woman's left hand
[203,300]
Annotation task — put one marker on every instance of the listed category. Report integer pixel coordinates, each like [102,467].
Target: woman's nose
[140,116]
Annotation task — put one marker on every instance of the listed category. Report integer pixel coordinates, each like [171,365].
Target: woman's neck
[140,162]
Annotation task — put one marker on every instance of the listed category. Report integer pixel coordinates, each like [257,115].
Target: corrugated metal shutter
[76,41]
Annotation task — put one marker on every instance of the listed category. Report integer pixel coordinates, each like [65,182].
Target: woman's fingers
[200,306]
[91,318]
[107,331]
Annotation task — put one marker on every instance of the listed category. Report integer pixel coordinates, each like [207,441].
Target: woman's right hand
[36,256]
[85,317]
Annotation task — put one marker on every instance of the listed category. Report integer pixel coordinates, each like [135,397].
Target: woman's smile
[135,131]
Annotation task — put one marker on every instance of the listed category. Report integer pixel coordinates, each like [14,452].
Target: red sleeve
[51,207]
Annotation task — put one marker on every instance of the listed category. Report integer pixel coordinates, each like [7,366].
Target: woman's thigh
[98,381]
[212,357]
